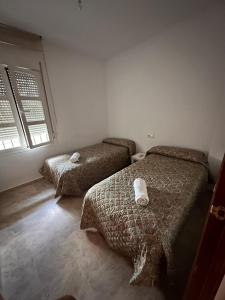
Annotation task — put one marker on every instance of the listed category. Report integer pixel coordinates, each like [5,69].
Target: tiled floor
[45,255]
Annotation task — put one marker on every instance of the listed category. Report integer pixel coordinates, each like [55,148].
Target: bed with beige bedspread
[174,177]
[96,163]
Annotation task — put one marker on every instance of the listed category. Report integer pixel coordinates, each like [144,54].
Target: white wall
[217,147]
[78,87]
[172,85]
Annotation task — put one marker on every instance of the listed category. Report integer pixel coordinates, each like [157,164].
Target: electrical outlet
[151,135]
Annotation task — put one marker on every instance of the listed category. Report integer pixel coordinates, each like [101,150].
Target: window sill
[13,151]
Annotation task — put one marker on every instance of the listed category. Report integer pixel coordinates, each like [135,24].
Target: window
[24,113]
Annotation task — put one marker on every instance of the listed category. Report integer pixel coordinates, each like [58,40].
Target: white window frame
[15,101]
[38,76]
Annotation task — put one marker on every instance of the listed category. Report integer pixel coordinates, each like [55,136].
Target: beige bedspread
[174,179]
[95,164]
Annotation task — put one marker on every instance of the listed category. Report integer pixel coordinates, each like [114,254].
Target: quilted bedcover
[145,235]
[95,164]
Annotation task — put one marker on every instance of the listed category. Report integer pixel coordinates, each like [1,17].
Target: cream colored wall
[171,86]
[217,147]
[78,88]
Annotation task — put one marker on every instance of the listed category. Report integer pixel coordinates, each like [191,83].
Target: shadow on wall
[215,164]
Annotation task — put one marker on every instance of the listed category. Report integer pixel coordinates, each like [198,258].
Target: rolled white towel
[75,157]
[140,191]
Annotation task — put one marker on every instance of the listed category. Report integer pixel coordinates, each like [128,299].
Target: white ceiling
[103,28]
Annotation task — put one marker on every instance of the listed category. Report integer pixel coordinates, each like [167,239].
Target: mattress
[175,177]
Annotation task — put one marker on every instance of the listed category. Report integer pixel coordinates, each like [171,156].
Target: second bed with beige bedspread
[174,178]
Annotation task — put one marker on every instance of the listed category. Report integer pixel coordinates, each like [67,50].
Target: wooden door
[209,265]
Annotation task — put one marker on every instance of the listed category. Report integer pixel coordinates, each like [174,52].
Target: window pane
[39,134]
[9,123]
[6,114]
[33,110]
[8,144]
[8,133]
[9,138]
[2,87]
[26,84]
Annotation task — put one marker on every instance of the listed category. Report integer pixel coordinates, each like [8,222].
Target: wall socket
[151,135]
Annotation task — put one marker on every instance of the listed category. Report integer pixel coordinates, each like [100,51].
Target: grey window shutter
[11,132]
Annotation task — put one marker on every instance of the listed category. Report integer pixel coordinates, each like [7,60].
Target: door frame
[209,264]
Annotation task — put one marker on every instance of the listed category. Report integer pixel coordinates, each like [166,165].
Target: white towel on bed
[140,191]
[75,157]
